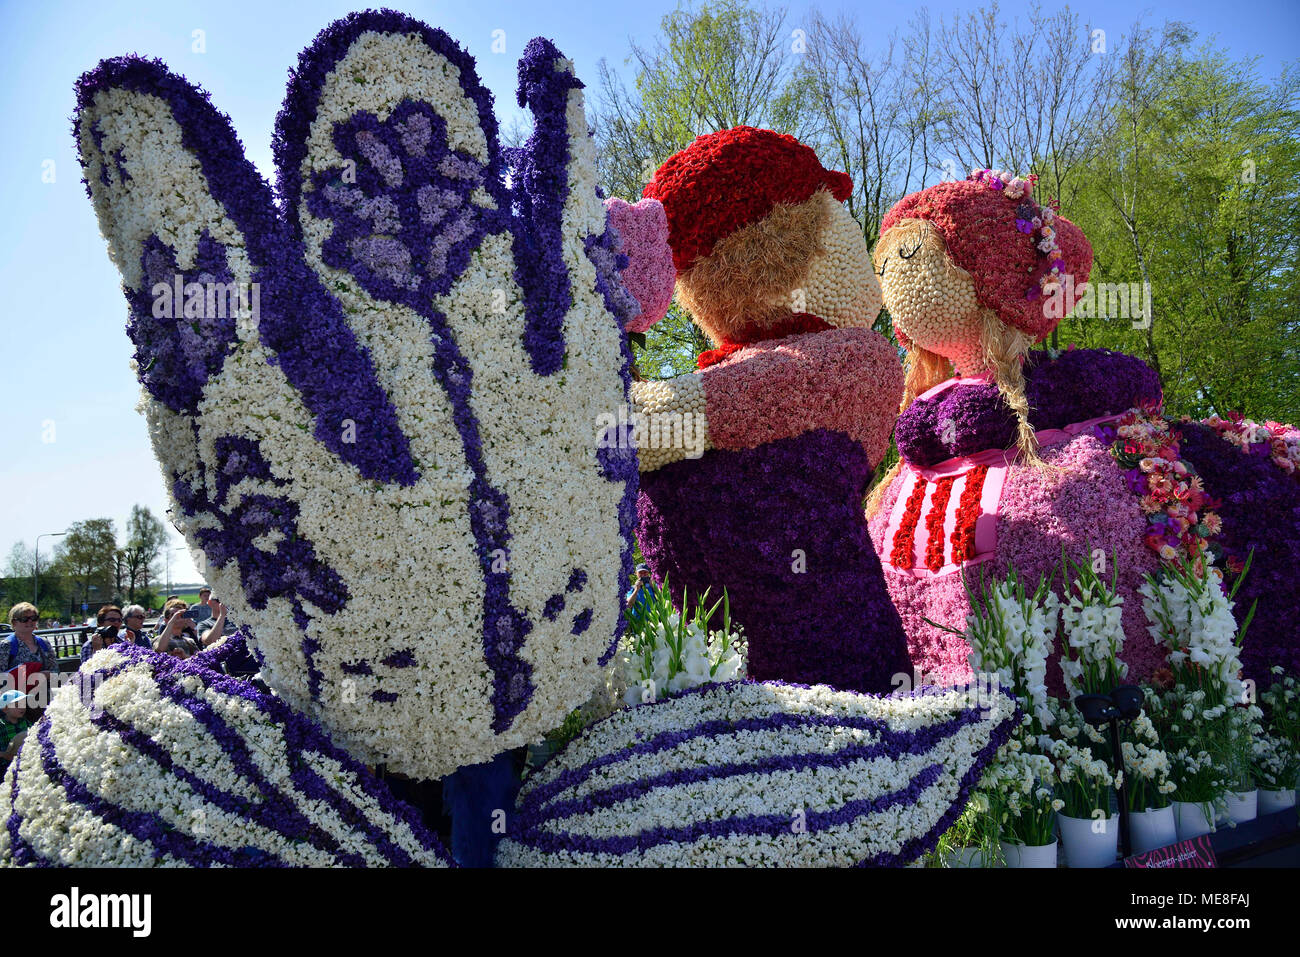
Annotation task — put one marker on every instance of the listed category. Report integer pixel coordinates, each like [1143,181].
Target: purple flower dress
[780,527]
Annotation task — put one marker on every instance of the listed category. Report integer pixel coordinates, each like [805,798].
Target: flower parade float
[793,411]
[1025,453]
[410,406]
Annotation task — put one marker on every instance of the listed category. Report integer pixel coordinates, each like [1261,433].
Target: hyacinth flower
[757,486]
[358,441]
[401,397]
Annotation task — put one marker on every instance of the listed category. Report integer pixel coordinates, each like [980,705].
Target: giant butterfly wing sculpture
[393,469]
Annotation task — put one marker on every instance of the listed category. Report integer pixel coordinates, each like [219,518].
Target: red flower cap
[978,225]
[725,181]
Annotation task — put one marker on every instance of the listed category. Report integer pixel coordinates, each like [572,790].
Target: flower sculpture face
[373,455]
[994,264]
[930,299]
[841,286]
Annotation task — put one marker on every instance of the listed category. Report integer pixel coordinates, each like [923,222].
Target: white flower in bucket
[664,651]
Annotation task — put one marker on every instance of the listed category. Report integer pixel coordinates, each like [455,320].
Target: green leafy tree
[17,582]
[1197,199]
[146,537]
[85,559]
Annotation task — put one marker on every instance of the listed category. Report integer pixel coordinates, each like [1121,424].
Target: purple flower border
[301,323]
[301,735]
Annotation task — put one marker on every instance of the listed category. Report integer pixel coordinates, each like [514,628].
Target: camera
[108,631]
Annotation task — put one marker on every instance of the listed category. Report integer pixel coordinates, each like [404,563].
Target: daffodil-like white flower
[376,402]
[766,774]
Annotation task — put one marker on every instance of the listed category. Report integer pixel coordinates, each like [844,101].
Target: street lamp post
[36,565]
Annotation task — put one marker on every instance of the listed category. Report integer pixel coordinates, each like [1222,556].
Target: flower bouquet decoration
[1203,719]
[1092,630]
[1148,783]
[1021,792]
[1089,830]
[665,651]
[1011,631]
[1277,759]
[1092,642]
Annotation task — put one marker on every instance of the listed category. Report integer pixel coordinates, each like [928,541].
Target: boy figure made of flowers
[791,412]
[1025,452]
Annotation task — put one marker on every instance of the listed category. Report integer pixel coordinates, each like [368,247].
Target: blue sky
[74,446]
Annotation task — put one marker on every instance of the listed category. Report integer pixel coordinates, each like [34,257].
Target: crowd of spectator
[180,630]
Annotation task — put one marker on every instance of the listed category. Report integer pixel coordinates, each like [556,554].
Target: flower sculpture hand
[373,449]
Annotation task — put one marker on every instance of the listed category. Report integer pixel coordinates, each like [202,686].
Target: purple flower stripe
[554,605]
[302,324]
[151,828]
[540,172]
[301,736]
[670,739]
[617,461]
[23,853]
[765,824]
[738,519]
[532,804]
[581,622]
[278,810]
[272,811]
[240,458]
[603,252]
[918,846]
[890,744]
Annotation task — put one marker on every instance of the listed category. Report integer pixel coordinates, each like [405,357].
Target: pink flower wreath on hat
[1015,250]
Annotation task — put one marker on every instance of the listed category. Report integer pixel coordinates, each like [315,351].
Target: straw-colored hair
[747,280]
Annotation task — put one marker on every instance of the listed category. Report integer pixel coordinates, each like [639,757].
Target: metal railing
[67,643]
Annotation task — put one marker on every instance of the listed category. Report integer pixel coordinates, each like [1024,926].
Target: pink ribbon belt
[946,516]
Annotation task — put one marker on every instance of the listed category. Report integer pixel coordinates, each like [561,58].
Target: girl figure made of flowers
[789,415]
[974,273]
[1004,462]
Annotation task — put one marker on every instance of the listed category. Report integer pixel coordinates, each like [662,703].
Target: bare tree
[726,64]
